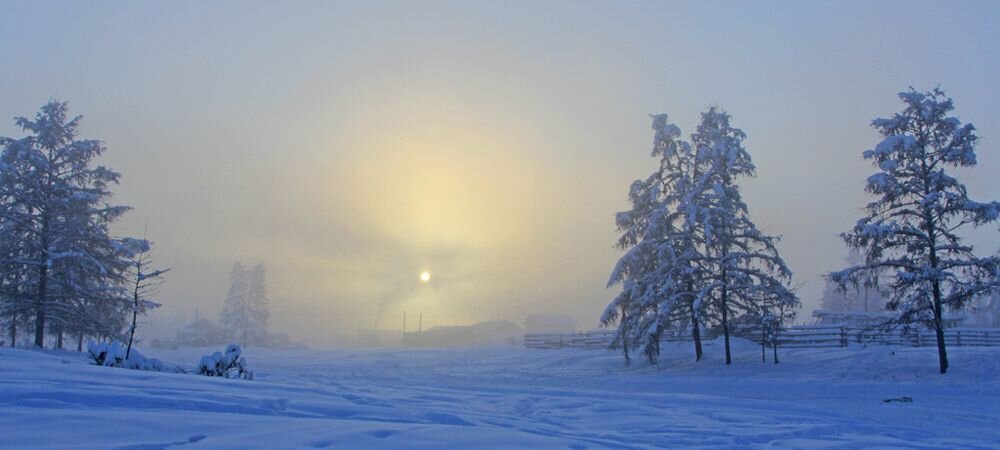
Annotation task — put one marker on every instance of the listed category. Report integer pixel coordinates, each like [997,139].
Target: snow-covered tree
[16,297]
[772,315]
[15,301]
[867,297]
[693,256]
[234,317]
[144,282]
[748,276]
[245,313]
[637,307]
[55,217]
[910,228]
[986,312]
[658,272]
[257,303]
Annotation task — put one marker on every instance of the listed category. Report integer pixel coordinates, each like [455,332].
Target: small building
[202,333]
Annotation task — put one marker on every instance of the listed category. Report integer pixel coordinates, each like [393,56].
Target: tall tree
[55,204]
[234,313]
[910,228]
[637,308]
[659,271]
[245,313]
[257,304]
[15,299]
[746,269]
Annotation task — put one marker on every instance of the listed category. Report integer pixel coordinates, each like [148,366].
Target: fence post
[843,336]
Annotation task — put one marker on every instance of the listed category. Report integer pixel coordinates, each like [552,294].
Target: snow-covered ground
[506,397]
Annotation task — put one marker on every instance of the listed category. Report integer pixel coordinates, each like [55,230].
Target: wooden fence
[805,336]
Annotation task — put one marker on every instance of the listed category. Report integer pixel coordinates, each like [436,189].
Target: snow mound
[113,354]
[228,365]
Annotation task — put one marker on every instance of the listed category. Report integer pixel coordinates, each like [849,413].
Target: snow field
[507,397]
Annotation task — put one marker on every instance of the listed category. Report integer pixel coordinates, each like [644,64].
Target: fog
[350,147]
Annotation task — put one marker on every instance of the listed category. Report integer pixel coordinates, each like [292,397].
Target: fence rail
[805,336]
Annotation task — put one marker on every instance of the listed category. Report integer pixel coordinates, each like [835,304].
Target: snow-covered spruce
[748,280]
[692,255]
[910,230]
[228,365]
[61,272]
[659,270]
[245,313]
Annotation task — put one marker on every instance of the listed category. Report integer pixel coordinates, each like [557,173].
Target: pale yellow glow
[426,178]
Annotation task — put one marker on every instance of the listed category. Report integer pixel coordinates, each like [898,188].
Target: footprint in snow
[381,434]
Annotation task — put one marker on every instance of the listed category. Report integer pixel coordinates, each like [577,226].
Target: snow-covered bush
[108,354]
[138,361]
[112,354]
[228,365]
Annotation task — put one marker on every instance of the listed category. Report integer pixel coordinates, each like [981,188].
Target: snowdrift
[506,397]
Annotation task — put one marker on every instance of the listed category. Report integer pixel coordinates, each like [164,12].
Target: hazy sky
[349,146]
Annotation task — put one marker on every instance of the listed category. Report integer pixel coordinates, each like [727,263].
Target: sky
[349,146]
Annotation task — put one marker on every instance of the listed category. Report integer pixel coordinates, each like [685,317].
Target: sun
[425,276]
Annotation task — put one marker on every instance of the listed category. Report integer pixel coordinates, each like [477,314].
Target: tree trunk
[135,309]
[696,335]
[624,334]
[936,292]
[695,327]
[653,348]
[43,275]
[59,339]
[725,326]
[79,342]
[939,329]
[774,346]
[13,329]
[931,229]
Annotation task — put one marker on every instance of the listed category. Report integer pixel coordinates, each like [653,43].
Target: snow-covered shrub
[227,365]
[138,361]
[112,354]
[108,354]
